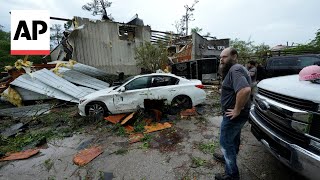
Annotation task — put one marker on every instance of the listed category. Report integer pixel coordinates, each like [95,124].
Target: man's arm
[242,98]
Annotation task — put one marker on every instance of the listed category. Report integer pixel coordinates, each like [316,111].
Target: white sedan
[129,96]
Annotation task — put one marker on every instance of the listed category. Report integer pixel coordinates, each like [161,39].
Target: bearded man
[235,102]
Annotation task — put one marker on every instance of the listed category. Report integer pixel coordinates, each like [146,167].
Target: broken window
[139,83]
[127,33]
[163,81]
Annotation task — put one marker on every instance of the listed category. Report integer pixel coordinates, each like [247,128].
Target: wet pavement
[172,153]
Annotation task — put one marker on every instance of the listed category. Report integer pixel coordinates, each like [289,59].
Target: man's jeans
[230,131]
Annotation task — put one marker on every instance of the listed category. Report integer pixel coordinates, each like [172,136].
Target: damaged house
[197,57]
[106,45]
[110,46]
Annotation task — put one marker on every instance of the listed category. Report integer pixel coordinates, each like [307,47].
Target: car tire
[96,110]
[181,102]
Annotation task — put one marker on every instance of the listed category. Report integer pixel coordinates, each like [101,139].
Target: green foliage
[312,47]
[22,140]
[197,162]
[248,51]
[196,30]
[245,49]
[208,148]
[145,145]
[5,58]
[121,151]
[98,7]
[48,164]
[119,130]
[151,57]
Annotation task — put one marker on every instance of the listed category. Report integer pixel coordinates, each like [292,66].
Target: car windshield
[127,79]
[123,82]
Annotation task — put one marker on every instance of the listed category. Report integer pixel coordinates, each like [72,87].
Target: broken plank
[157,127]
[133,138]
[21,155]
[85,156]
[127,118]
[115,118]
[129,129]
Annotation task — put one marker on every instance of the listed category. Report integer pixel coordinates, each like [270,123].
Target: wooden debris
[85,156]
[21,155]
[127,118]
[115,118]
[133,138]
[129,129]
[157,127]
[189,112]
[157,114]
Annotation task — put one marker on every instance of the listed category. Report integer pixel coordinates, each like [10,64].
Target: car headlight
[82,100]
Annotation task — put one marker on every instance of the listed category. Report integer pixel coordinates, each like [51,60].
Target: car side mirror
[122,89]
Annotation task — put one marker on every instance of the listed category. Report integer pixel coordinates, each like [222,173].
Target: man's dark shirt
[237,78]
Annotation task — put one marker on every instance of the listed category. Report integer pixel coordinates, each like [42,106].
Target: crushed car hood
[293,87]
[102,92]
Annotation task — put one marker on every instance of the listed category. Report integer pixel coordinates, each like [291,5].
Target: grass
[145,145]
[18,142]
[119,130]
[61,122]
[121,151]
[147,138]
[202,119]
[48,164]
[198,162]
[208,148]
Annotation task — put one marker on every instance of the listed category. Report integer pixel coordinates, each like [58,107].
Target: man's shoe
[219,157]
[225,177]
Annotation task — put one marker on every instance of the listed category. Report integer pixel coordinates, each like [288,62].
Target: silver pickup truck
[285,117]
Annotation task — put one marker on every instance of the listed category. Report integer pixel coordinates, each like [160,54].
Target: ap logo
[30,32]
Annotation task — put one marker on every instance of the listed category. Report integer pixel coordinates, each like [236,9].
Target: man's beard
[225,68]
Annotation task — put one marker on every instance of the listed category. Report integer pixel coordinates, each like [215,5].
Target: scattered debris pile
[68,81]
[138,126]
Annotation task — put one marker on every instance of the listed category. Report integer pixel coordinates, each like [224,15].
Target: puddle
[167,140]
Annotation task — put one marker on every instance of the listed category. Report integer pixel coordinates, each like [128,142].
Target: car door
[163,87]
[136,91]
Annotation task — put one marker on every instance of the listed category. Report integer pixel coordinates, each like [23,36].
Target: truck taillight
[200,86]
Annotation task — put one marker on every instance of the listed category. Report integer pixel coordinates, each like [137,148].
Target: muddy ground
[181,152]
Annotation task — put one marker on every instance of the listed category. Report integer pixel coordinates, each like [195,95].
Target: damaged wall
[203,48]
[99,44]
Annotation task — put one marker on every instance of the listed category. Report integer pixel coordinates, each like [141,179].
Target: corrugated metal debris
[25,111]
[82,79]
[68,81]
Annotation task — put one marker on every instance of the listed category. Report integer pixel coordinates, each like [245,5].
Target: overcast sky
[271,22]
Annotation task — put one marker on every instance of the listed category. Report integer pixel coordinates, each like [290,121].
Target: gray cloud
[272,22]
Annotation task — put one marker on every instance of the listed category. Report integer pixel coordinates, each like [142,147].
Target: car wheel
[181,102]
[96,110]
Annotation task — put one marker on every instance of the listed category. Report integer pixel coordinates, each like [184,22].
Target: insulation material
[12,96]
